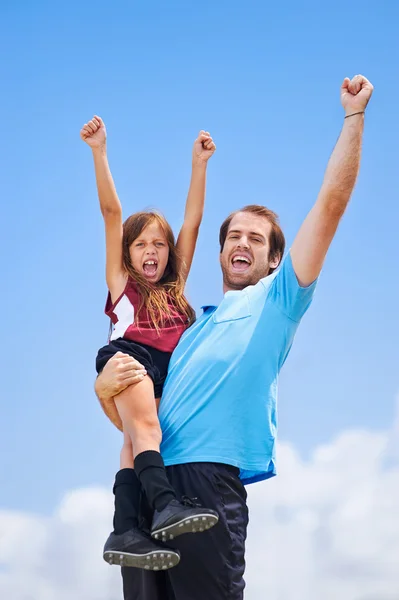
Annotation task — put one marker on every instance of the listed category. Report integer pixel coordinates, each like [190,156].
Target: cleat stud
[181,525]
[204,518]
[201,529]
[164,567]
[171,537]
[156,536]
[162,555]
[171,564]
[147,567]
[148,557]
[187,522]
[156,568]
[196,519]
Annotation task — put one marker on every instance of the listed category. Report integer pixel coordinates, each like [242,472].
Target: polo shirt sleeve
[286,293]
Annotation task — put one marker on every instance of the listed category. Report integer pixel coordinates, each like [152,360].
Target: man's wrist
[354,114]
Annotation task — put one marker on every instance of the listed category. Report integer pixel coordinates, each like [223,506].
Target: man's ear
[275,261]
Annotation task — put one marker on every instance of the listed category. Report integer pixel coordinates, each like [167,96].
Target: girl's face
[149,252]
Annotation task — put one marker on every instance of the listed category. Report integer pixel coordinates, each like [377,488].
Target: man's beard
[243,280]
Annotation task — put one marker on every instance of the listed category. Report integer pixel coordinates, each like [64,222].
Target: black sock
[151,472]
[127,490]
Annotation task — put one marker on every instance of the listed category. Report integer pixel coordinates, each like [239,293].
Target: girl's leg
[127,488]
[126,461]
[128,545]
[127,491]
[137,408]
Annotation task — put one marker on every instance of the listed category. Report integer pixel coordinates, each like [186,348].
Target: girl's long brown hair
[170,288]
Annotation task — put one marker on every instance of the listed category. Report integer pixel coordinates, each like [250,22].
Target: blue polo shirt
[219,399]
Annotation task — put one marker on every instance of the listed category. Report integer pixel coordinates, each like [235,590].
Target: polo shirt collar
[206,307]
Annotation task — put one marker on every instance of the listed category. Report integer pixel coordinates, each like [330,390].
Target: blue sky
[264,79]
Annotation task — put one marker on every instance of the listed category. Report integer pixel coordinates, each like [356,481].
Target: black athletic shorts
[154,361]
[212,563]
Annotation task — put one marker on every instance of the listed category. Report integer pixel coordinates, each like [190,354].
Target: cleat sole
[185,525]
[153,561]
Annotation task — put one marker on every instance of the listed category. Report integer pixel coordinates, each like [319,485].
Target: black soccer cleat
[181,517]
[134,548]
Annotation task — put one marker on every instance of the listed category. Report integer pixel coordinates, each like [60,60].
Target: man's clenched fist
[355,94]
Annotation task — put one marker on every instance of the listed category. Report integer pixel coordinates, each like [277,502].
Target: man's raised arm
[317,231]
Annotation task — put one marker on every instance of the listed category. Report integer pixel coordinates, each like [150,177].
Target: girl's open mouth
[150,268]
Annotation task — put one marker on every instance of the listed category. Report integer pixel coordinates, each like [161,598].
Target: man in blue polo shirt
[218,409]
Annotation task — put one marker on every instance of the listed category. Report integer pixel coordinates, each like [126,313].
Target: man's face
[245,255]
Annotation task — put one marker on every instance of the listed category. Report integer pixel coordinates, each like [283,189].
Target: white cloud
[327,528]
[59,558]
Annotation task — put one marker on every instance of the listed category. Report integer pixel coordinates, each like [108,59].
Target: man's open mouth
[240,262]
[150,267]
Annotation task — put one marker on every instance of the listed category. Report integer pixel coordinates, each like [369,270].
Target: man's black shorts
[154,361]
[212,563]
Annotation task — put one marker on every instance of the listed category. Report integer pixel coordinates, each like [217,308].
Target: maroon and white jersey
[122,314]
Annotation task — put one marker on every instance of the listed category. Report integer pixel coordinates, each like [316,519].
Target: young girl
[146,273]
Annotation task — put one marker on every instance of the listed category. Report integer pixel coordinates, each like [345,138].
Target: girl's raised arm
[94,134]
[203,149]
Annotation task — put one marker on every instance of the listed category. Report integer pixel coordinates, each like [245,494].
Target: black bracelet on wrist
[361,112]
